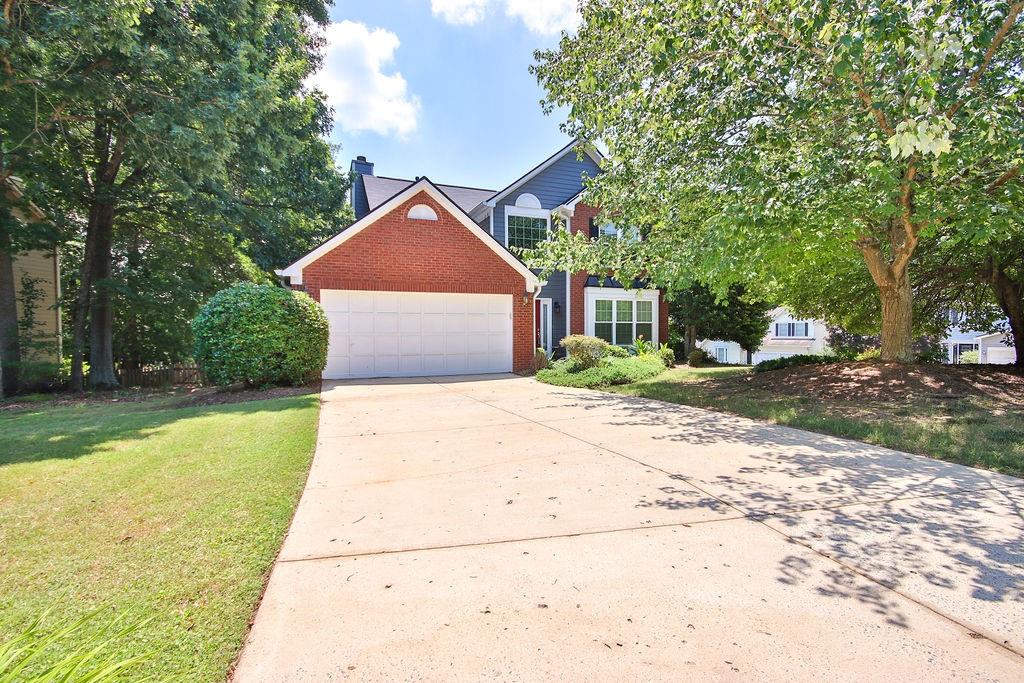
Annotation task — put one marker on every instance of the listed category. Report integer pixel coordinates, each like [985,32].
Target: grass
[169,516]
[971,431]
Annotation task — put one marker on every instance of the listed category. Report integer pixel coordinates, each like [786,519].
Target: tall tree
[156,111]
[699,314]
[811,134]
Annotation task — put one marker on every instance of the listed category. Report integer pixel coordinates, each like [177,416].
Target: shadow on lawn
[939,531]
[67,432]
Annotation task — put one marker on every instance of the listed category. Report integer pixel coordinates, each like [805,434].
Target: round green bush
[259,335]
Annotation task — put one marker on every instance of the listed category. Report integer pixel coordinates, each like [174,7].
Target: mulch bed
[873,380]
[191,396]
[209,396]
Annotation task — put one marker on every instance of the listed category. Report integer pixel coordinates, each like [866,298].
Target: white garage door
[405,334]
[1002,355]
[768,355]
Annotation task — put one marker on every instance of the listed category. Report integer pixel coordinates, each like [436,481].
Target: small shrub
[932,353]
[699,358]
[586,351]
[869,354]
[612,351]
[668,356]
[793,361]
[970,357]
[259,335]
[642,347]
[540,359]
[609,371]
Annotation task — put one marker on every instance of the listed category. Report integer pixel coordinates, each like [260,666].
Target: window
[525,232]
[722,354]
[628,233]
[621,321]
[793,329]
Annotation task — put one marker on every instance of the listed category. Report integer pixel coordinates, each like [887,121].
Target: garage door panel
[375,334]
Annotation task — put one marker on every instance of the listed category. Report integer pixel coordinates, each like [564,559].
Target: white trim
[511,210]
[568,286]
[547,319]
[490,221]
[294,271]
[590,151]
[592,294]
[528,200]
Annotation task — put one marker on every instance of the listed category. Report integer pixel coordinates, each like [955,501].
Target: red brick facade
[399,254]
[580,222]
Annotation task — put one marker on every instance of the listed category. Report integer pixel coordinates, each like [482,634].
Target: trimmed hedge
[585,351]
[793,361]
[260,335]
[609,370]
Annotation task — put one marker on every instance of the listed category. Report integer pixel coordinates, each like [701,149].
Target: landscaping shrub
[869,354]
[699,358]
[611,351]
[642,347]
[586,351]
[608,371]
[668,356]
[793,361]
[540,359]
[260,335]
[970,357]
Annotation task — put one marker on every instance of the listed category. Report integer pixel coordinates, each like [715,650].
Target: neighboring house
[996,348]
[427,280]
[41,270]
[786,336]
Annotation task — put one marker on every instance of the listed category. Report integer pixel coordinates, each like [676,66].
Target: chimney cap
[360,158]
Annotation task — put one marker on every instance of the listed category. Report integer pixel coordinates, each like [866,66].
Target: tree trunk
[10,353]
[101,315]
[1010,296]
[690,339]
[80,308]
[897,321]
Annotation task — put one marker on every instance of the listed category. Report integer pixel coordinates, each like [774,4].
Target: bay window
[622,321]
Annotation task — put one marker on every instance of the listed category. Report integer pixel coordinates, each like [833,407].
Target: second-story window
[793,329]
[525,232]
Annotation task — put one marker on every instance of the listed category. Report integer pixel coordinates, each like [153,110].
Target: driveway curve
[495,527]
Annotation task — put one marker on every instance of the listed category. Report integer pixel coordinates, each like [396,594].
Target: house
[787,336]
[29,278]
[428,280]
[996,348]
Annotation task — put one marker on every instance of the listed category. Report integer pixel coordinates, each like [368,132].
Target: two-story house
[787,335]
[428,279]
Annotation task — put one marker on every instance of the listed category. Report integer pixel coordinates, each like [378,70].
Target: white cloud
[466,12]
[547,17]
[364,97]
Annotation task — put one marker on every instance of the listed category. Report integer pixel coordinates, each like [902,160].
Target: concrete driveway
[498,528]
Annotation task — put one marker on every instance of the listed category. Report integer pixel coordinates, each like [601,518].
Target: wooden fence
[160,377]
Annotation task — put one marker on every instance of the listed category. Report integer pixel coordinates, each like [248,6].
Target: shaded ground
[145,509]
[866,380]
[187,395]
[504,529]
[972,415]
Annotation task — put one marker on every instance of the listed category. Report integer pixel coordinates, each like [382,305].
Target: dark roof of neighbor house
[379,189]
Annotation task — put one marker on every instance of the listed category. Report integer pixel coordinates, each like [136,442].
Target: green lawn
[173,514]
[971,431]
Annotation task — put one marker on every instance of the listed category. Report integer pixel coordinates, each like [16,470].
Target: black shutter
[593,229]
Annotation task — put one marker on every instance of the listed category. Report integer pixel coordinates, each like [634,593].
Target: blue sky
[441,87]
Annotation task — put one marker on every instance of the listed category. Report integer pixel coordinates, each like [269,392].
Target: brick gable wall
[399,254]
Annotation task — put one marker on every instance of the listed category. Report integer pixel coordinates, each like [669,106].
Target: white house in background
[994,348]
[787,336]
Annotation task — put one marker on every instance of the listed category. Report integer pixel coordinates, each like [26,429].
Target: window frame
[594,294]
[511,210]
[808,329]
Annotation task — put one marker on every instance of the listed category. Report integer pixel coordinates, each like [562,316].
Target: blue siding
[553,186]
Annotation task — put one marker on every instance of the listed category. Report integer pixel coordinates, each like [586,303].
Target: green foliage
[970,357]
[699,358]
[540,359]
[806,150]
[668,356]
[72,651]
[608,371]
[794,361]
[869,354]
[642,347]
[932,353]
[261,334]
[736,317]
[612,351]
[584,351]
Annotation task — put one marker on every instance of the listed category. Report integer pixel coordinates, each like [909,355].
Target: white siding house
[787,336]
[994,348]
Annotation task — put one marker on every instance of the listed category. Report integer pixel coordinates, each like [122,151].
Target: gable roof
[294,271]
[590,151]
[381,188]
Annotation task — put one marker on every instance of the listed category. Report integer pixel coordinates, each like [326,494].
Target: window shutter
[593,229]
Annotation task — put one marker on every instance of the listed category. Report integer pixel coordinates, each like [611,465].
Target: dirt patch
[209,396]
[866,380]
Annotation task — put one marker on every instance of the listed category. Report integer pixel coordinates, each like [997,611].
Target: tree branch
[869,103]
[975,79]
[1009,175]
